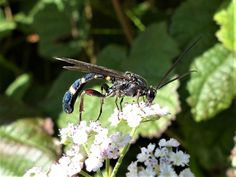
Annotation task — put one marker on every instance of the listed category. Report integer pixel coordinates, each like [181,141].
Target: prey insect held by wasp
[123,83]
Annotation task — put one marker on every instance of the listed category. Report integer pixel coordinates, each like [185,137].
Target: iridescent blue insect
[123,84]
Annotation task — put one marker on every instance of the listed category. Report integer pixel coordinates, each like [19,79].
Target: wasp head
[150,94]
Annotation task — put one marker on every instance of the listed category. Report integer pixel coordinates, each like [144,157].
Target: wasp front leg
[90,92]
[137,101]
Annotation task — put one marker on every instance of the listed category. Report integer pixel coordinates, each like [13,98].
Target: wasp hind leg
[90,92]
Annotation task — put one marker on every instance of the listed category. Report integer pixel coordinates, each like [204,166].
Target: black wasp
[123,84]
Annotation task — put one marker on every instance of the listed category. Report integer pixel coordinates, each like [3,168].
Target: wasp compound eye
[151,93]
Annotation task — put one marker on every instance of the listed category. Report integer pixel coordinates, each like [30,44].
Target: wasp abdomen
[67,102]
[71,95]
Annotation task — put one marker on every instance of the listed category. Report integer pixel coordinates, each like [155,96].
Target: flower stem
[83,173]
[99,173]
[107,167]
[122,154]
[86,149]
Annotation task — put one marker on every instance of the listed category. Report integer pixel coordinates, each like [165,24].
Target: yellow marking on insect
[72,90]
[108,78]
[82,80]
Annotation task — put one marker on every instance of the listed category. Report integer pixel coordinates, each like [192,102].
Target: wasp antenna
[67,60]
[176,78]
[58,58]
[177,61]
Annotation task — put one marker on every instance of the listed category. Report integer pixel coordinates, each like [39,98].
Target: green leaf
[5,63]
[211,87]
[112,56]
[214,141]
[62,30]
[18,88]
[227,21]
[25,144]
[11,109]
[151,53]
[186,29]
[2,2]
[6,25]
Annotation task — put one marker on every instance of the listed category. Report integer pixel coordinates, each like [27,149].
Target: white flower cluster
[101,147]
[133,113]
[161,161]
[105,147]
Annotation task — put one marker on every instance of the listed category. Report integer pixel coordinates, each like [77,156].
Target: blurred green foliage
[146,39]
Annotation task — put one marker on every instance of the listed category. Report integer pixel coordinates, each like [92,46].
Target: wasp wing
[88,67]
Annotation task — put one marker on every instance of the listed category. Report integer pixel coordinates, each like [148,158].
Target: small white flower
[124,141]
[120,140]
[133,113]
[133,170]
[164,161]
[95,158]
[161,163]
[143,156]
[93,163]
[73,151]
[114,119]
[151,147]
[110,147]
[161,111]
[95,126]
[133,120]
[145,153]
[186,173]
[95,150]
[167,171]
[76,164]
[179,158]
[61,168]
[35,172]
[64,160]
[57,170]
[146,172]
[113,152]
[161,152]
[80,136]
[105,147]
[170,143]
[66,133]
[151,162]
[101,136]
[67,166]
